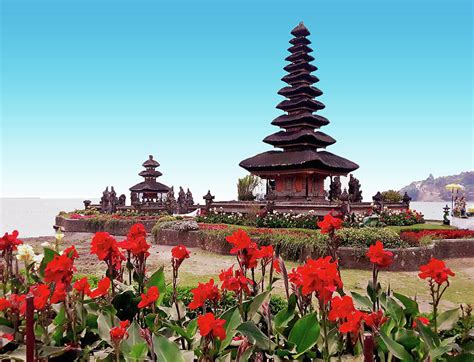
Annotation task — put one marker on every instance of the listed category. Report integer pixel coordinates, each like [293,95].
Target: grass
[416,227]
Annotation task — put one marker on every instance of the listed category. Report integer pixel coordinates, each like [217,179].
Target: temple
[149,190]
[297,172]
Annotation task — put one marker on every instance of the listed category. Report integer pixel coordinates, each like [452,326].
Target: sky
[90,88]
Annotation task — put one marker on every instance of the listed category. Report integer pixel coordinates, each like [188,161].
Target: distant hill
[432,189]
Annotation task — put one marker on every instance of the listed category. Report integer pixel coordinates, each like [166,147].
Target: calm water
[35,217]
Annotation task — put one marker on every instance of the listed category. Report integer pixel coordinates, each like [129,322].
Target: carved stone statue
[171,204]
[121,200]
[134,198]
[208,198]
[354,189]
[345,202]
[87,204]
[189,200]
[378,202]
[406,200]
[335,189]
[181,201]
[113,201]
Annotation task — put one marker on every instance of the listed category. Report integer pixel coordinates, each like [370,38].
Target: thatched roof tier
[150,186]
[301,137]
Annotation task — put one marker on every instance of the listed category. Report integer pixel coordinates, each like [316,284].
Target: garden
[262,307]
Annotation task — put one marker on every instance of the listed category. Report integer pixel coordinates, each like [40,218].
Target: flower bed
[125,316]
[414,237]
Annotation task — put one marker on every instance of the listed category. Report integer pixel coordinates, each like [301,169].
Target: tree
[246,186]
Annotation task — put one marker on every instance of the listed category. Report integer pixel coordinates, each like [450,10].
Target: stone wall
[113,226]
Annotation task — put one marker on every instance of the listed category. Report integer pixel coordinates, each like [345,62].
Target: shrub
[246,187]
[414,237]
[391,196]
[366,236]
[400,217]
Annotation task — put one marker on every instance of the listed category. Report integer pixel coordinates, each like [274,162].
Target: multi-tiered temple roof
[150,174]
[303,147]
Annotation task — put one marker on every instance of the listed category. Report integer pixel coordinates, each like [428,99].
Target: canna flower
[59,293]
[25,253]
[106,248]
[149,298]
[374,320]
[422,320]
[4,304]
[102,288]
[41,294]
[204,292]
[118,334]
[240,240]
[352,324]
[341,308]
[82,286]
[9,242]
[235,281]
[276,265]
[378,256]
[59,270]
[329,224]
[211,326]
[435,270]
[180,253]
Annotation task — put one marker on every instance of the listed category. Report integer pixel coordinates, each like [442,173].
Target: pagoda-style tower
[297,172]
[149,190]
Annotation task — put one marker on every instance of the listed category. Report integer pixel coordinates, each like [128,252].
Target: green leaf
[408,338]
[104,324]
[138,352]
[411,307]
[134,338]
[166,351]
[233,319]
[158,280]
[256,336]
[284,316]
[192,327]
[429,337]
[447,319]
[362,300]
[305,333]
[60,317]
[396,348]
[253,306]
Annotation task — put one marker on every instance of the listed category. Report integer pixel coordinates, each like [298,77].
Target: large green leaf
[253,306]
[158,280]
[396,348]
[255,335]
[233,319]
[134,337]
[447,319]
[429,337]
[104,324]
[362,300]
[411,307]
[305,333]
[166,350]
[138,352]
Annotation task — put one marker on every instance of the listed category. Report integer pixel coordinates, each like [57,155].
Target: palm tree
[246,187]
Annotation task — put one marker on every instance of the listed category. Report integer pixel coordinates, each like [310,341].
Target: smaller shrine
[149,191]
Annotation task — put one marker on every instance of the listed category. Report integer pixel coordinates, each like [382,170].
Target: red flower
[204,292]
[378,256]
[276,265]
[18,303]
[4,304]
[106,249]
[352,323]
[82,286]
[59,293]
[240,240]
[149,298]
[329,224]
[320,276]
[118,334]
[295,278]
[41,294]
[71,252]
[235,281]
[341,308]
[59,270]
[180,252]
[102,288]
[375,319]
[137,230]
[10,241]
[209,325]
[423,320]
[435,270]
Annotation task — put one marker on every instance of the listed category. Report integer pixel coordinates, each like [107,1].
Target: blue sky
[90,88]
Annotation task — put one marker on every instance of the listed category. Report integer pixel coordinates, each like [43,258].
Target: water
[35,216]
